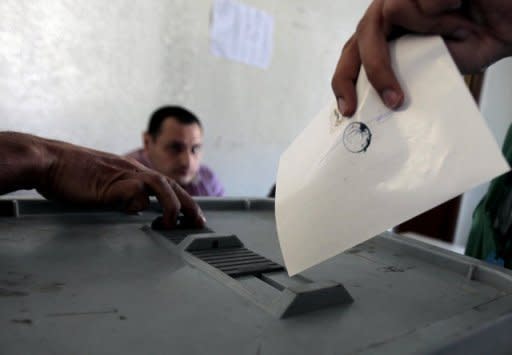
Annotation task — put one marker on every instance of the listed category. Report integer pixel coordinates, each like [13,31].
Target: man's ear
[147,139]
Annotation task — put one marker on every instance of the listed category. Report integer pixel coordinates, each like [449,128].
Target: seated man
[172,146]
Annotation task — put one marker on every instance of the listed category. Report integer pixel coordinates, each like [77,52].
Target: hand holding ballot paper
[344,180]
[477,33]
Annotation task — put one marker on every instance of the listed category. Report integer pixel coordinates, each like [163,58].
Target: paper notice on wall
[345,180]
[241,33]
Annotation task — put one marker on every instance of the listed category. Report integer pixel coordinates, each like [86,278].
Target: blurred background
[91,72]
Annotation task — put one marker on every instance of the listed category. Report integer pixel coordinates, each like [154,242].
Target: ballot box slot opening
[271,282]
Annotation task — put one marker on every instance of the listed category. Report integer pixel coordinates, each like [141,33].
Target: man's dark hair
[180,114]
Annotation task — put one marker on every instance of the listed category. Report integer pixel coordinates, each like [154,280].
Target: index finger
[159,185]
[189,207]
[345,77]
[372,33]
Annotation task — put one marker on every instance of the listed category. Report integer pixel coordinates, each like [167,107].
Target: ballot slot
[9,208]
[225,258]
[281,280]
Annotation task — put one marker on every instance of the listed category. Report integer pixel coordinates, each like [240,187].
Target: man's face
[176,151]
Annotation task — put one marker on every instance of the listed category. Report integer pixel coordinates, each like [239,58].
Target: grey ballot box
[76,281]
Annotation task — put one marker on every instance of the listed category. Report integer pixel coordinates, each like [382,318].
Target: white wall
[91,72]
[496,107]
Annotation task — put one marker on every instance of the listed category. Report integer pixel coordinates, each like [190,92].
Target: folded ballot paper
[344,180]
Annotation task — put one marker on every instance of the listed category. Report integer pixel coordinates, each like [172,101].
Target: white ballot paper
[345,180]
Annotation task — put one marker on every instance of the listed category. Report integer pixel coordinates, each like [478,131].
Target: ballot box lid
[82,281]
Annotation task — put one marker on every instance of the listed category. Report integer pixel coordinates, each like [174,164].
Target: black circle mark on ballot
[357,137]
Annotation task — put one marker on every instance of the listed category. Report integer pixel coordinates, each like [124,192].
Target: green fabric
[490,237]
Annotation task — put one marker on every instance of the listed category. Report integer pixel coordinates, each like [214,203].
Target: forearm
[24,161]
[75,174]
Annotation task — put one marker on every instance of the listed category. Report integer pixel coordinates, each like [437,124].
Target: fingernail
[341,106]
[460,34]
[391,98]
